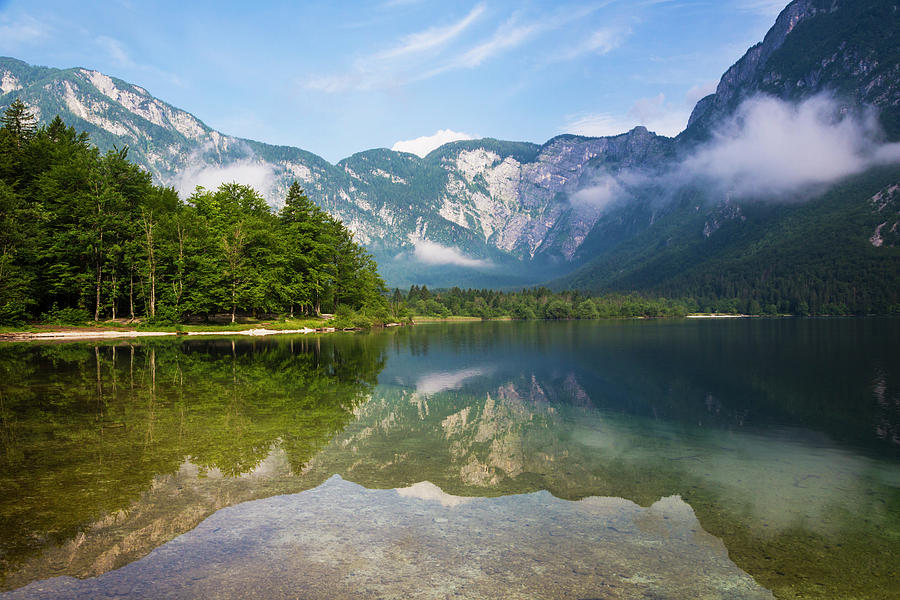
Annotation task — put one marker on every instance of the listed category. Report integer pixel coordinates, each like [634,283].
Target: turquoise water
[747,456]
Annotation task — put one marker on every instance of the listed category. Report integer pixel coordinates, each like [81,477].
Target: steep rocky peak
[740,78]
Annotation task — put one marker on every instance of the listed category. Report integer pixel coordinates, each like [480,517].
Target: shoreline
[111,334]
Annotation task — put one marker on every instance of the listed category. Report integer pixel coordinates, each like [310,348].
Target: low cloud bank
[432,253]
[771,148]
[258,175]
[432,383]
[599,195]
[421,146]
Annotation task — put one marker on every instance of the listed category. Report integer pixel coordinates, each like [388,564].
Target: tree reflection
[85,429]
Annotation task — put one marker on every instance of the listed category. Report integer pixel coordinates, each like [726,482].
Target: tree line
[535,303]
[86,235]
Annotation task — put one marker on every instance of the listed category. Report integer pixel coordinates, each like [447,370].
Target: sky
[336,78]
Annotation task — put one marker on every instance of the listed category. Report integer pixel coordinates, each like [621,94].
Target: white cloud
[507,36]
[258,175]
[337,83]
[432,37]
[441,381]
[425,144]
[699,91]
[657,115]
[597,125]
[601,42]
[395,65]
[118,53]
[116,50]
[772,147]
[22,31]
[605,41]
[425,54]
[432,253]
[653,113]
[599,195]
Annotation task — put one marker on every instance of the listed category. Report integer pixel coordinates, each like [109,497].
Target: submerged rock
[341,540]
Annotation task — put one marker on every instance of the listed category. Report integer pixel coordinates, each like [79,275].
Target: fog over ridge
[769,150]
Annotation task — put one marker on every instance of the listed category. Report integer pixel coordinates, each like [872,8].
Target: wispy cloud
[431,38]
[599,194]
[441,381]
[507,36]
[432,253]
[23,30]
[769,150]
[596,125]
[602,41]
[434,51]
[332,84]
[655,113]
[512,34]
[118,54]
[115,50]
[771,147]
[393,66]
[701,90]
[425,144]
[258,175]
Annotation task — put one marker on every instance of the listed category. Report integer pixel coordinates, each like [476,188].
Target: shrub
[67,316]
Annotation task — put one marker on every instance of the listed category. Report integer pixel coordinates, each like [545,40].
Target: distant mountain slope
[838,253]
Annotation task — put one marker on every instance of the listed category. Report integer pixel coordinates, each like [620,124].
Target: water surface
[747,455]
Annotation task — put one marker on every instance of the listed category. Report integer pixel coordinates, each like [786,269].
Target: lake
[624,459]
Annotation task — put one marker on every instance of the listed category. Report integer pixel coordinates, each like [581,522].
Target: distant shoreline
[87,333]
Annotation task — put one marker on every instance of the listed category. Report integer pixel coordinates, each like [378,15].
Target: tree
[19,122]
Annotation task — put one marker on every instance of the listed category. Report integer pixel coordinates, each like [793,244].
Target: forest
[537,303]
[88,236]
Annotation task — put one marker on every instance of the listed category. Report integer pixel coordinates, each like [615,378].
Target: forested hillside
[834,255]
[88,235]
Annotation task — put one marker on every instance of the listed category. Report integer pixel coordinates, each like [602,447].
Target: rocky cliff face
[846,48]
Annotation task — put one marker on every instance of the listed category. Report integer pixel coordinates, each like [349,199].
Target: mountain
[481,212]
[824,247]
[749,184]
[846,47]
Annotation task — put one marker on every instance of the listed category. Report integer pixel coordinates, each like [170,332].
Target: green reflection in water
[782,435]
[88,429]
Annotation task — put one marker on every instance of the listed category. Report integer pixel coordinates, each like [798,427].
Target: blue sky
[336,78]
